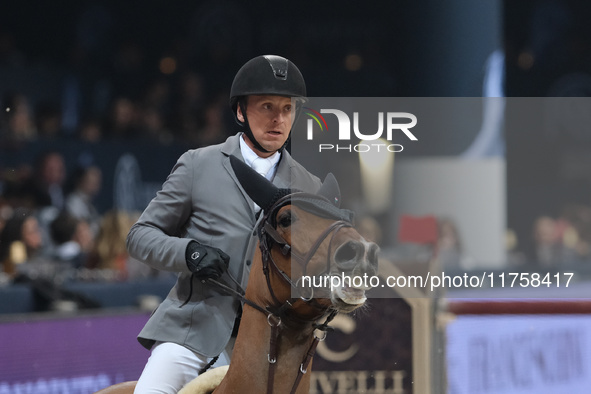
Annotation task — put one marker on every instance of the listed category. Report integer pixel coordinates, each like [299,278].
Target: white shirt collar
[250,156]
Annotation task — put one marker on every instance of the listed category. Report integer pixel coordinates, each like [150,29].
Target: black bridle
[269,236]
[279,313]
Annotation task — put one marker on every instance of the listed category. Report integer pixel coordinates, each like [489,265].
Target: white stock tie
[262,166]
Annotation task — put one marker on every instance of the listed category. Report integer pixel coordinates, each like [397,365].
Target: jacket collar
[283,176]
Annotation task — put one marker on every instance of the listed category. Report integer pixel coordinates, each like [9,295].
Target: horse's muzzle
[357,262]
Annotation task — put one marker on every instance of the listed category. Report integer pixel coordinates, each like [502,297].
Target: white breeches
[171,366]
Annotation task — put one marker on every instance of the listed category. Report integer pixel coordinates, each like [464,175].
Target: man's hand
[205,261]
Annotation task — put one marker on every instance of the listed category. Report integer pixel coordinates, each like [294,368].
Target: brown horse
[284,316]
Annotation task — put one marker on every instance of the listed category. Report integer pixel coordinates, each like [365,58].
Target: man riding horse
[200,224]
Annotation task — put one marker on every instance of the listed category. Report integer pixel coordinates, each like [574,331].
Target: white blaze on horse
[301,235]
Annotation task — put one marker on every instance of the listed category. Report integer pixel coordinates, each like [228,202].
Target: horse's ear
[330,190]
[262,192]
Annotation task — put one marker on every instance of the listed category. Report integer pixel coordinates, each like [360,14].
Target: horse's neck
[249,368]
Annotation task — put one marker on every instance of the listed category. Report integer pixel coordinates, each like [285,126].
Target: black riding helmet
[265,75]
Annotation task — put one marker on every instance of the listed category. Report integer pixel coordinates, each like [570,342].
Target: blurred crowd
[102,85]
[50,228]
[49,225]
[564,240]
[107,81]
[168,110]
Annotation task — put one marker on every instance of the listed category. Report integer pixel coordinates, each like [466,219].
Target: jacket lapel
[232,148]
[283,176]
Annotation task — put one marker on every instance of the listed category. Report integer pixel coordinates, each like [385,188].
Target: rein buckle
[271,316]
[302,370]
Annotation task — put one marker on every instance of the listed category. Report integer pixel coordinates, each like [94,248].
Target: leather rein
[269,237]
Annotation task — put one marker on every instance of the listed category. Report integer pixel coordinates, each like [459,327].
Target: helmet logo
[278,65]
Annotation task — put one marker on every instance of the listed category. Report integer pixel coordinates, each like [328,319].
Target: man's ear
[239,115]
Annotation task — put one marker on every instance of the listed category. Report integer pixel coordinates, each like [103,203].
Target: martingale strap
[273,345]
[272,356]
[312,350]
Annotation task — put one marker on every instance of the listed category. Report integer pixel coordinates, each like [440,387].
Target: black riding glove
[205,261]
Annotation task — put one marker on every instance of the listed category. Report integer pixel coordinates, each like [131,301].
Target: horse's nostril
[346,254]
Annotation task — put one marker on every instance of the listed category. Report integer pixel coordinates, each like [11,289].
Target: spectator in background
[158,96]
[123,119]
[86,183]
[189,106]
[548,247]
[213,127]
[46,184]
[72,239]
[574,227]
[91,131]
[13,192]
[152,125]
[5,213]
[20,240]
[19,124]
[44,189]
[110,252]
[154,107]
[450,252]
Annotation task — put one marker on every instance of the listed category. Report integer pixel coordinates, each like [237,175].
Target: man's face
[269,118]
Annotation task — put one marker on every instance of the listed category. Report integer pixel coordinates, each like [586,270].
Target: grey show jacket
[202,200]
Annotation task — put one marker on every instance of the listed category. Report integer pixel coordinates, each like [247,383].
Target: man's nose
[280,117]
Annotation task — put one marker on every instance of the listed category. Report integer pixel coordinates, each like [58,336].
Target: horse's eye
[286,219]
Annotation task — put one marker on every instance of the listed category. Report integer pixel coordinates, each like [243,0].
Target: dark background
[404,48]
[548,54]
[408,46]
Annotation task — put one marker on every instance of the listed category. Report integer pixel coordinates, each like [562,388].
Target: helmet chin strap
[250,136]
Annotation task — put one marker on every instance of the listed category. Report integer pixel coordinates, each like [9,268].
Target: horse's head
[331,263]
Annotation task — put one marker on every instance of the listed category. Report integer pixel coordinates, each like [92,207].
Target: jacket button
[248,262]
